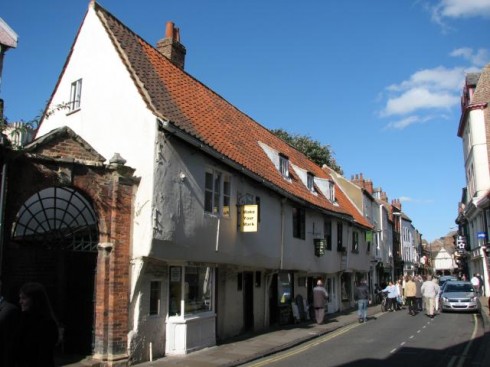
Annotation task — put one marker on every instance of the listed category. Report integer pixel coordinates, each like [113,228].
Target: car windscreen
[458,288]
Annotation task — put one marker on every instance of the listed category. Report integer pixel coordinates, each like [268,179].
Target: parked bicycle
[384,300]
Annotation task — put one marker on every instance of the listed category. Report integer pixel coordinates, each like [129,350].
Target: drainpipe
[281,263]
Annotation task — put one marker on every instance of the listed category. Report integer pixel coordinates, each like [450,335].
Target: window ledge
[191,317]
[73,111]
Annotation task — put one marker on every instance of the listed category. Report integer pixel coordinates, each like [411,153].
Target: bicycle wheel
[383,305]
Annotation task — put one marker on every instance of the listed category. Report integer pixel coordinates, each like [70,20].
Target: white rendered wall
[479,151]
[112,117]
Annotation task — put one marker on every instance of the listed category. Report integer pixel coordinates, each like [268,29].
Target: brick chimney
[363,183]
[379,194]
[396,204]
[170,46]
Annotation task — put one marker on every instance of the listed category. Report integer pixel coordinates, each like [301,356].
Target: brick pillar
[112,278]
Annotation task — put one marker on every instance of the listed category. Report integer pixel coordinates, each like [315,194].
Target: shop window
[155,297]
[284,288]
[190,290]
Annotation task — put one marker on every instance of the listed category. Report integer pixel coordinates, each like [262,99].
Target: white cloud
[454,9]
[439,78]
[462,9]
[430,91]
[419,99]
[403,123]
[478,58]
[405,198]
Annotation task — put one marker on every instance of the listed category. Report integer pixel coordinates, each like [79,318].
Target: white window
[217,193]
[310,181]
[75,94]
[331,191]
[284,165]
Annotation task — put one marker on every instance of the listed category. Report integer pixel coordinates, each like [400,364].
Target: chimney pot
[170,46]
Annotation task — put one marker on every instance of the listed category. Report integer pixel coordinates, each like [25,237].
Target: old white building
[229,223]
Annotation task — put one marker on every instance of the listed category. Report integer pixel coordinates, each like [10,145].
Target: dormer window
[284,165]
[331,191]
[75,95]
[310,181]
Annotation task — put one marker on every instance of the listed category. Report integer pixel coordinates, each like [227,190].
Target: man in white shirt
[430,290]
[476,283]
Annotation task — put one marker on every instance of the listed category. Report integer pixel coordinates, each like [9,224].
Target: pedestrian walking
[399,296]
[392,291]
[429,292]
[410,293]
[436,300]
[476,283]
[418,295]
[320,297]
[9,317]
[482,284]
[362,297]
[37,334]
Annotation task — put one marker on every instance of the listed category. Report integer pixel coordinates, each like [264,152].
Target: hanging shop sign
[320,245]
[249,215]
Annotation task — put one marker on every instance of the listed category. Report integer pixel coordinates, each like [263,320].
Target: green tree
[313,149]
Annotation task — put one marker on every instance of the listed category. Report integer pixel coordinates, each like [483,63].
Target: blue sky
[377,81]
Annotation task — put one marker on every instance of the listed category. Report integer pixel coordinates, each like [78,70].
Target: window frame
[217,198]
[340,239]
[327,234]
[355,242]
[299,222]
[75,95]
[310,181]
[284,165]
[181,288]
[155,298]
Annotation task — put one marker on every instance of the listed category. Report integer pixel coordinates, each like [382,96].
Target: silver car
[459,296]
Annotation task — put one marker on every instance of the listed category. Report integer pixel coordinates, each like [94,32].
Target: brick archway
[109,190]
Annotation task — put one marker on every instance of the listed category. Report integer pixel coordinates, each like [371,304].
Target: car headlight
[473,299]
[445,299]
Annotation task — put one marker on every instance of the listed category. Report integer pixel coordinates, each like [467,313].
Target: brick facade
[109,189]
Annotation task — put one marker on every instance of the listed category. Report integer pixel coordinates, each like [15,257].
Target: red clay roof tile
[192,107]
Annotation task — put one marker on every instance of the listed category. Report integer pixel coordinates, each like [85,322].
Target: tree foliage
[313,149]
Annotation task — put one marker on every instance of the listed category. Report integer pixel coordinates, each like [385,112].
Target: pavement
[250,347]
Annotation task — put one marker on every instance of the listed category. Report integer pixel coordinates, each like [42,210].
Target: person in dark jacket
[362,298]
[9,316]
[37,334]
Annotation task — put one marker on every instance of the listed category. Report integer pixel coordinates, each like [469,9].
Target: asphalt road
[392,339]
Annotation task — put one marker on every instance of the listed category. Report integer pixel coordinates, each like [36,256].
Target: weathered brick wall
[111,196]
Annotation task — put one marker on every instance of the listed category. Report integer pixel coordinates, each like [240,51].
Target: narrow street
[393,339]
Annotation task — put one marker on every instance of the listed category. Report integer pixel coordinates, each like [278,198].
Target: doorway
[248,301]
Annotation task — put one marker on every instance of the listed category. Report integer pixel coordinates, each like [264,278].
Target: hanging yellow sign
[249,218]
